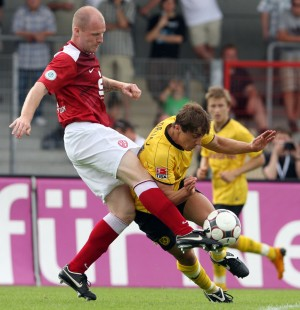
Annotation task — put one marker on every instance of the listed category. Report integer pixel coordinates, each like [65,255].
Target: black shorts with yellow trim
[156,230]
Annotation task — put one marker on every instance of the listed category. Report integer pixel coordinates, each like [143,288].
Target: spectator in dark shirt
[165,32]
[283,162]
[246,101]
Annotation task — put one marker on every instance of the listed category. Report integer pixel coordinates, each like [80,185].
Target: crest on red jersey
[123,143]
[161,172]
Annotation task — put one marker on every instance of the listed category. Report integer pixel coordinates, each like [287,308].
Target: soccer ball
[223,226]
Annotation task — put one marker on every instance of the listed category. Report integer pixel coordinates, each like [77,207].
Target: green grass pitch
[61,298]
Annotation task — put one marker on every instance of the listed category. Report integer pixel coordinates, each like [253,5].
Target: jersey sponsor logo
[50,75]
[161,173]
[123,143]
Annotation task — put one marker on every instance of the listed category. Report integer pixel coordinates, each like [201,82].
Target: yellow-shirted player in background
[167,154]
[229,183]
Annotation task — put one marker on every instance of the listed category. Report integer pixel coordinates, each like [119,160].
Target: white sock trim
[115,223]
[144,186]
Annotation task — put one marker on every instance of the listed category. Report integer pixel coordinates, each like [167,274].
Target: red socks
[159,205]
[99,240]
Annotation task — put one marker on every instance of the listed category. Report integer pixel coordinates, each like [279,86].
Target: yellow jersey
[166,161]
[233,193]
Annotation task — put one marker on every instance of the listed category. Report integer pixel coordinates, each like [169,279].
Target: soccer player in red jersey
[105,160]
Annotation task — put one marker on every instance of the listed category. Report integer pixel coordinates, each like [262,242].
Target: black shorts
[235,209]
[156,230]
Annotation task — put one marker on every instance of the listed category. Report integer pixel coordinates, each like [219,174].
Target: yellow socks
[218,256]
[246,244]
[199,276]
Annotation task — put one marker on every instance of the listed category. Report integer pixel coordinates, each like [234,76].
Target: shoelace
[86,281]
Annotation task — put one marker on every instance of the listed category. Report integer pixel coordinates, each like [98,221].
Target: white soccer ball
[223,226]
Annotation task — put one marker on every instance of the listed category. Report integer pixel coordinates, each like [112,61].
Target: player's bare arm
[251,164]
[181,195]
[22,125]
[128,89]
[230,146]
[203,169]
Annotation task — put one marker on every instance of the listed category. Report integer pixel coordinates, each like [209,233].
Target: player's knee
[188,258]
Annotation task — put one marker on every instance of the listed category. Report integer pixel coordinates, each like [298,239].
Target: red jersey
[76,80]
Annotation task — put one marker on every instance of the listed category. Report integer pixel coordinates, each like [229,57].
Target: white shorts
[96,151]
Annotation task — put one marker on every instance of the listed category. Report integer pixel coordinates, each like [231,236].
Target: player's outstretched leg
[78,282]
[233,264]
[219,296]
[278,261]
[197,238]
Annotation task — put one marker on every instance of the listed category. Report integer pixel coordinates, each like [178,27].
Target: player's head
[191,124]
[218,102]
[88,29]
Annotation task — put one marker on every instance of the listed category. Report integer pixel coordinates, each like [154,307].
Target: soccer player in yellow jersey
[167,154]
[229,181]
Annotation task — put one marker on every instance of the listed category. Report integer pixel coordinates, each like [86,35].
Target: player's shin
[199,276]
[103,234]
[156,202]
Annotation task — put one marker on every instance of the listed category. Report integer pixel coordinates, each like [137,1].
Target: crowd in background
[170,25]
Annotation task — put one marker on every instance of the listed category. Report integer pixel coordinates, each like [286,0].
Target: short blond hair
[218,92]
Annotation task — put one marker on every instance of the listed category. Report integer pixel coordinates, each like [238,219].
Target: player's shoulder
[69,50]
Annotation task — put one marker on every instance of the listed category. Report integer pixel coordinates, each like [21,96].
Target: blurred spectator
[203,19]
[270,11]
[64,11]
[283,162]
[165,32]
[173,97]
[33,22]
[54,140]
[159,117]
[289,31]
[246,101]
[127,129]
[118,51]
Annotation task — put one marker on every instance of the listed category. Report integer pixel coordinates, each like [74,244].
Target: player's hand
[228,176]
[132,91]
[190,184]
[260,142]
[201,173]
[20,126]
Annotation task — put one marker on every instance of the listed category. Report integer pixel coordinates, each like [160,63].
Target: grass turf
[61,298]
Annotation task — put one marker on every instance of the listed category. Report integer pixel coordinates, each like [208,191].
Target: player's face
[91,37]
[187,140]
[218,109]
